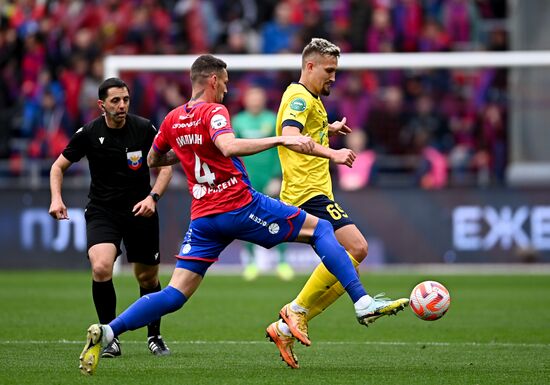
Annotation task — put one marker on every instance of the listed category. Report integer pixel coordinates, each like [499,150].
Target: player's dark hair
[110,83]
[318,46]
[204,66]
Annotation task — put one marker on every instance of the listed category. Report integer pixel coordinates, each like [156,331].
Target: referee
[122,205]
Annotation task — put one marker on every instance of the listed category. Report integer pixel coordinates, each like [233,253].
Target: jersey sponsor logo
[189,139]
[135,159]
[218,121]
[193,123]
[79,130]
[298,104]
[200,190]
[216,110]
[101,139]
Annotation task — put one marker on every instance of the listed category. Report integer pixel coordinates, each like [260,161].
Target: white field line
[381,343]
[477,269]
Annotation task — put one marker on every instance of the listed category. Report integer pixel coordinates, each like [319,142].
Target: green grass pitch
[497,331]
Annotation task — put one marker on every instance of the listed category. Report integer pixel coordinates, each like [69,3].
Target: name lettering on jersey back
[189,139]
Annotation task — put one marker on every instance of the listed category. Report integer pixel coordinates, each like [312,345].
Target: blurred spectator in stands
[462,124]
[359,14]
[71,78]
[492,141]
[407,18]
[312,26]
[386,121]
[300,8]
[461,21]
[10,89]
[243,11]
[492,9]
[427,123]
[171,96]
[199,23]
[498,40]
[363,172]
[278,35]
[87,100]
[433,37]
[428,137]
[354,100]
[240,39]
[380,35]
[33,59]
[32,100]
[51,128]
[432,171]
[432,8]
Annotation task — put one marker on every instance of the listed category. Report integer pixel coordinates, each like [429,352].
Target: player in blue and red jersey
[224,208]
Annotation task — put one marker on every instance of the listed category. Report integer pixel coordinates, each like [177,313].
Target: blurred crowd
[438,127]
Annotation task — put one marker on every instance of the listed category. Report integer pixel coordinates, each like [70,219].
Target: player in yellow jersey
[307,184]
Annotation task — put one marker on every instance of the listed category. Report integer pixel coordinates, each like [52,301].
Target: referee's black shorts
[139,234]
[323,207]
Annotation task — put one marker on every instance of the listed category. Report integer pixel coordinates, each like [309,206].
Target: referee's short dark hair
[110,83]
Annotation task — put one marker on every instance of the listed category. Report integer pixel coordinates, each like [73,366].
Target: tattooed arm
[154,159]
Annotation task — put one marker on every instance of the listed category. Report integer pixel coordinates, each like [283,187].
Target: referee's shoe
[112,350]
[157,346]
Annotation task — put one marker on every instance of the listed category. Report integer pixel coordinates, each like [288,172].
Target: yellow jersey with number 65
[304,176]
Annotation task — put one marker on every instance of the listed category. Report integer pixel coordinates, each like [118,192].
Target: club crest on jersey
[298,104]
[218,121]
[135,159]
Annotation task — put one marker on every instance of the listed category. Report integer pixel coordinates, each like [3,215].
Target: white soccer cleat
[377,307]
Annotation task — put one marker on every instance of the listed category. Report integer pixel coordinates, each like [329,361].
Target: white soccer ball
[430,300]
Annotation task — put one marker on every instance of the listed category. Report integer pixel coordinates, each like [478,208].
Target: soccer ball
[430,300]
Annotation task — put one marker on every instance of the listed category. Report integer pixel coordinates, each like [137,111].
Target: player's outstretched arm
[229,145]
[58,210]
[341,156]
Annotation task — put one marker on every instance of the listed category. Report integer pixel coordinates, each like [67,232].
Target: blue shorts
[264,221]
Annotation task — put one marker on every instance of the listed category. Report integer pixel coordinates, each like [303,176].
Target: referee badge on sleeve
[135,159]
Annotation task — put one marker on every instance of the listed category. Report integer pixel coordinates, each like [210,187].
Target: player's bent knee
[359,251]
[323,227]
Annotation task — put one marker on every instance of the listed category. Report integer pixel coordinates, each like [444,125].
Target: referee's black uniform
[120,178]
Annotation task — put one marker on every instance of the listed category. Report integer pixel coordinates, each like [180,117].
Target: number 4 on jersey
[207,177]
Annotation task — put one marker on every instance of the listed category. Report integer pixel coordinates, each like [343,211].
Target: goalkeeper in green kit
[264,169]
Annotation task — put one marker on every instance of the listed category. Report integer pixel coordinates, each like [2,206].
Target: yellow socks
[324,301]
[321,290]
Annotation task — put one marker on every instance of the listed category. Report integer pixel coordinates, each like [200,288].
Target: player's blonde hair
[318,46]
